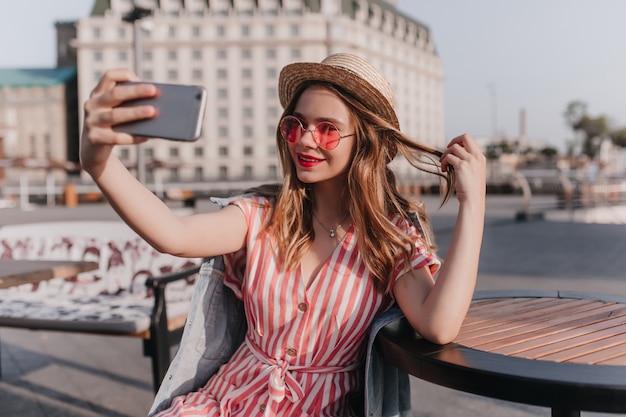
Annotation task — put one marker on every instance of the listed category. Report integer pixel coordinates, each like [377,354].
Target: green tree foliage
[593,129]
[549,152]
[619,137]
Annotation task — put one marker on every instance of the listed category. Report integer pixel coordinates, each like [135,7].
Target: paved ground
[60,374]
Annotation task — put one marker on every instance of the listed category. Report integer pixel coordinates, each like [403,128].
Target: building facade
[235,49]
[38,124]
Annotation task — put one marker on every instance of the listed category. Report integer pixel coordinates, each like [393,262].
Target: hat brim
[294,75]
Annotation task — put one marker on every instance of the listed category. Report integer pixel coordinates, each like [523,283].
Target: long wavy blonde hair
[371,191]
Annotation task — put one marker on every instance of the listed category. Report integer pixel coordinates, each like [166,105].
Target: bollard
[71,196]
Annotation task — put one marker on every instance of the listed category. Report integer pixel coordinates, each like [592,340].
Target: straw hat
[350,72]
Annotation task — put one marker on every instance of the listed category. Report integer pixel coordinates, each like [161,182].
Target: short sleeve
[234,270]
[422,256]
[255,209]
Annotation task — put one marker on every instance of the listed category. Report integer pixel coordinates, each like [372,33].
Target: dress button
[291,352]
[302,307]
[262,408]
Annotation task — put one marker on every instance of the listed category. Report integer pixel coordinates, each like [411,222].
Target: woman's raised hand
[469,163]
[102,112]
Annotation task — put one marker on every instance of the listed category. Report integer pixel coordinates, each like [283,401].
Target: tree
[592,128]
[618,137]
[549,152]
[574,113]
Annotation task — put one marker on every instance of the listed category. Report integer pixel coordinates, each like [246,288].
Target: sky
[536,55]
[499,57]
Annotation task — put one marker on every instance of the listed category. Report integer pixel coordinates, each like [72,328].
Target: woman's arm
[192,236]
[436,309]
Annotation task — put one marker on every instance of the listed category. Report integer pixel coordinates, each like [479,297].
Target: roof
[100,7]
[35,77]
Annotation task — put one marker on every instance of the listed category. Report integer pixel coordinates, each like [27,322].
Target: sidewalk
[62,374]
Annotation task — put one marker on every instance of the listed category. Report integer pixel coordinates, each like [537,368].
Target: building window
[295,53]
[271,92]
[247,172]
[172,55]
[247,133]
[246,92]
[196,74]
[172,75]
[122,56]
[271,150]
[269,30]
[271,73]
[221,31]
[174,152]
[97,33]
[222,132]
[271,130]
[195,31]
[146,55]
[272,111]
[272,172]
[174,176]
[246,73]
[196,54]
[247,150]
[149,152]
[171,32]
[125,154]
[270,53]
[222,112]
[222,93]
[198,174]
[223,173]
[245,31]
[222,54]
[223,151]
[121,33]
[97,56]
[47,143]
[294,30]
[247,112]
[147,75]
[198,151]
[222,74]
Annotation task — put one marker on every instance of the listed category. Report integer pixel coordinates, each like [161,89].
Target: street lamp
[494,109]
[135,16]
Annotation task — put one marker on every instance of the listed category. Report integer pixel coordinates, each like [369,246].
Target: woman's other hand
[467,160]
[102,112]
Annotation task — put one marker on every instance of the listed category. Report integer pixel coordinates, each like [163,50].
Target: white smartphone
[180,113]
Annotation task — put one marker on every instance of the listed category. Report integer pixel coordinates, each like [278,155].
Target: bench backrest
[125,259]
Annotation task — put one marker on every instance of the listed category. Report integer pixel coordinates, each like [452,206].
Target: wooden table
[18,272]
[566,351]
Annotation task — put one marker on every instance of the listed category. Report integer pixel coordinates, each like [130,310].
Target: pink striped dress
[303,345]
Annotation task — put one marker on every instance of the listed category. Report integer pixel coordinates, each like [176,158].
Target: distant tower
[522,127]
[66,53]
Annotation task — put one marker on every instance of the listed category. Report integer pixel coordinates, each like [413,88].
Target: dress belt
[276,377]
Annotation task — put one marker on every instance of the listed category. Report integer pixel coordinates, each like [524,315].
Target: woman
[325,253]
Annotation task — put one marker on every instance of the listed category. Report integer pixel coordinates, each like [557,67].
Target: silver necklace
[331,232]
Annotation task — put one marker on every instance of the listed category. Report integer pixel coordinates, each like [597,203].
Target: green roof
[35,77]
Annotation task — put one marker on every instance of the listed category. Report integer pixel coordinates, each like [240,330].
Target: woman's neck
[329,203]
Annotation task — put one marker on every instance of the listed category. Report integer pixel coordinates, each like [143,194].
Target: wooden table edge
[600,388]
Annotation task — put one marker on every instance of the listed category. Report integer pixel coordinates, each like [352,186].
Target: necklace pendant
[332,233]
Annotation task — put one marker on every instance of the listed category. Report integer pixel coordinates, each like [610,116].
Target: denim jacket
[216,327]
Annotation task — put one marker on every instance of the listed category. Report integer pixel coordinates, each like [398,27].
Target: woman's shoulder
[409,223]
